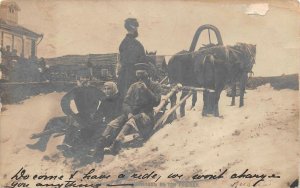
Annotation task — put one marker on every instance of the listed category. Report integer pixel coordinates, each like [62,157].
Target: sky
[90,26]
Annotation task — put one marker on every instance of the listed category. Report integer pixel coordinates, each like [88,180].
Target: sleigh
[179,80]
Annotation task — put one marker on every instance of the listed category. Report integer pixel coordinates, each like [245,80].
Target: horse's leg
[220,80]
[233,93]
[208,73]
[173,100]
[216,103]
[194,99]
[242,88]
[205,103]
[182,106]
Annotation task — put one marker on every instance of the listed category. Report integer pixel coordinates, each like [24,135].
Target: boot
[66,150]
[40,145]
[114,149]
[99,155]
[98,151]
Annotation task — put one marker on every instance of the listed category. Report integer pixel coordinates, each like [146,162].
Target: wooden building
[95,66]
[17,39]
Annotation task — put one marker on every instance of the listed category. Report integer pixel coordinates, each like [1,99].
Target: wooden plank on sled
[164,99]
[190,88]
[196,89]
[163,119]
[130,137]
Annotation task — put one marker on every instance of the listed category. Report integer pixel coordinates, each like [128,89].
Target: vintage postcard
[98,93]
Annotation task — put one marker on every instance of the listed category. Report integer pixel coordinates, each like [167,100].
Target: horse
[180,70]
[212,67]
[243,58]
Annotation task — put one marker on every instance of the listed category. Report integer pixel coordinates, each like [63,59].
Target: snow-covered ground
[261,137]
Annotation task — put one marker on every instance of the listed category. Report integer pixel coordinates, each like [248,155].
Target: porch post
[33,49]
[22,52]
[12,42]
[2,36]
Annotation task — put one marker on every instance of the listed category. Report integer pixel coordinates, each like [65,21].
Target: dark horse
[212,67]
[158,66]
[181,70]
[242,57]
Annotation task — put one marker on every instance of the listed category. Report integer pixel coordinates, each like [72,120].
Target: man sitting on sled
[94,112]
[138,114]
[87,99]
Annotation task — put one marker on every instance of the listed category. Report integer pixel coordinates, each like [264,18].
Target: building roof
[18,29]
[7,3]
[95,59]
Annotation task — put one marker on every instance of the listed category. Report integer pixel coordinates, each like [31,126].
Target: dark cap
[142,66]
[131,23]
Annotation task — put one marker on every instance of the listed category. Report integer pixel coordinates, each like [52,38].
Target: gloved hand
[142,85]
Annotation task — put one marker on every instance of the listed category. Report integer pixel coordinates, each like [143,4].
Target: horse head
[158,65]
[245,55]
[151,57]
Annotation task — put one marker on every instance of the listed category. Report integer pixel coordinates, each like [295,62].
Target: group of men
[127,105]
